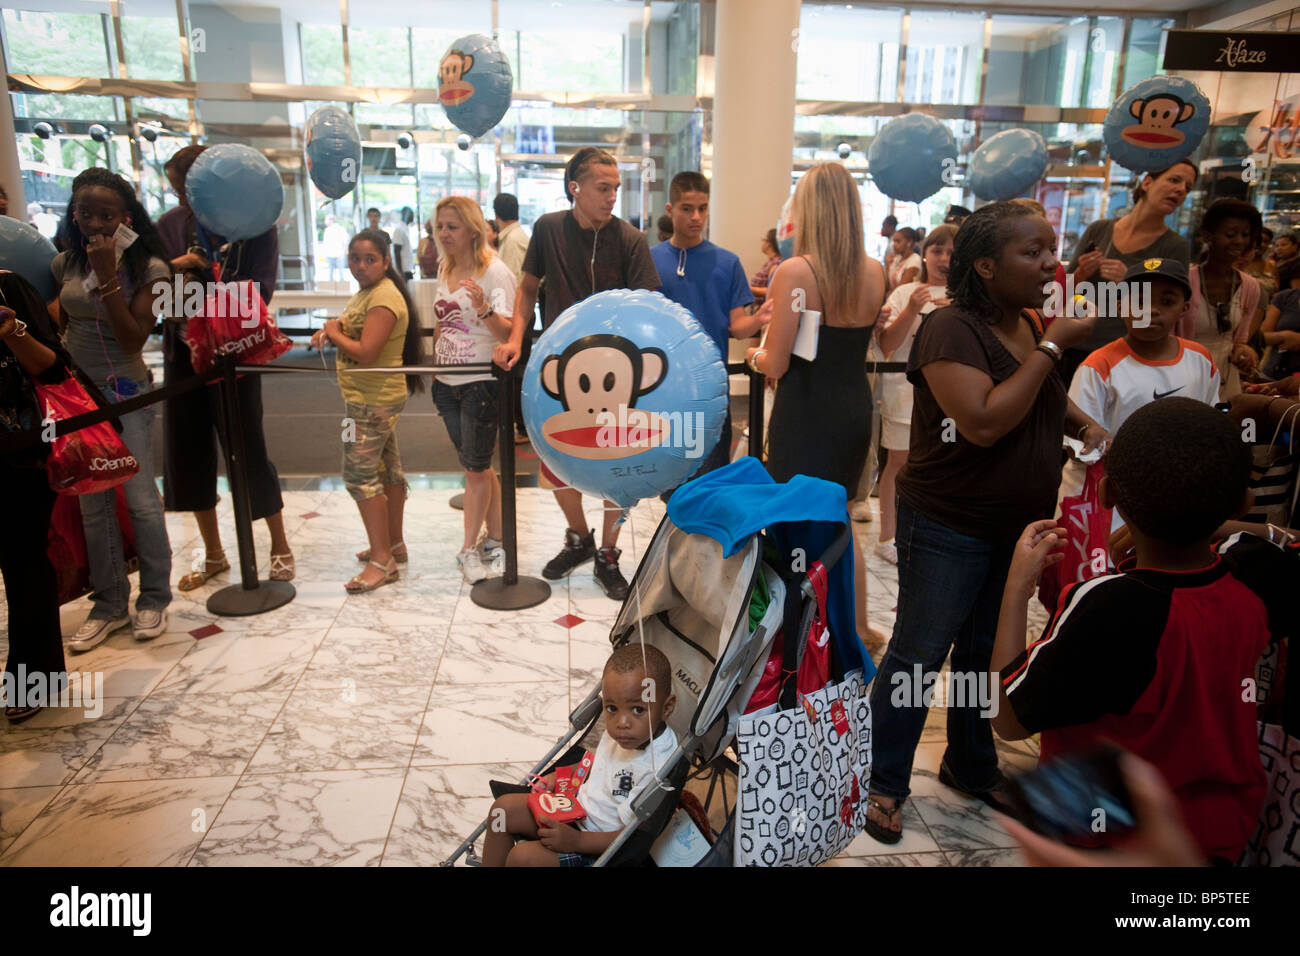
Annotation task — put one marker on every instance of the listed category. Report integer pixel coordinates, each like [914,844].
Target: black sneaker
[608,575]
[577,549]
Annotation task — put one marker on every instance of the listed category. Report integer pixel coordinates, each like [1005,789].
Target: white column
[753,121]
[11,175]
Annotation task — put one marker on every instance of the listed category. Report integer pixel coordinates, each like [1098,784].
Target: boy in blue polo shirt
[705,279]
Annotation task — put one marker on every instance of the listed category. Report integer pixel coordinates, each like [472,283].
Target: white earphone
[577,188]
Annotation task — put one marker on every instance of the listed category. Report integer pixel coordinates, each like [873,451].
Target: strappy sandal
[211,568]
[884,834]
[398,549]
[282,566]
[360,586]
[16,715]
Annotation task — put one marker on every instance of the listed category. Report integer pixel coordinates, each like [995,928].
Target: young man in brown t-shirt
[579,253]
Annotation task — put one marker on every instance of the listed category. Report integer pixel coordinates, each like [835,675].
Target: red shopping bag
[66,544]
[235,321]
[1087,526]
[814,670]
[90,459]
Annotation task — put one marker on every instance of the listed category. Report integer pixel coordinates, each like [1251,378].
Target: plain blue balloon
[234,191]
[474,83]
[906,159]
[1155,123]
[333,151]
[25,251]
[625,395]
[1007,164]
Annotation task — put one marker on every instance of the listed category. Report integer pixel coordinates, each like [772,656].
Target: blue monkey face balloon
[1007,164]
[234,191]
[25,251]
[474,84]
[907,157]
[625,395]
[1155,123]
[333,151]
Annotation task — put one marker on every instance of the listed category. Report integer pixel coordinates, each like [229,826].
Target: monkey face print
[1156,123]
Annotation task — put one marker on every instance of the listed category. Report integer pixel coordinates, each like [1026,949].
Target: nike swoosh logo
[1156,396]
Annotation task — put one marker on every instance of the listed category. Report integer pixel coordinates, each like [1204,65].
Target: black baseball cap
[1160,268]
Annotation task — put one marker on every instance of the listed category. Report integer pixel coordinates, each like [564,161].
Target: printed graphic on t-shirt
[454,345]
[623,782]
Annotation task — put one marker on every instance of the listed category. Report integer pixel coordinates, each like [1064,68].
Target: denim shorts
[470,413]
[371,460]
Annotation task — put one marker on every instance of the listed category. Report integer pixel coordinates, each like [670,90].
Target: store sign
[1232,52]
[1277,129]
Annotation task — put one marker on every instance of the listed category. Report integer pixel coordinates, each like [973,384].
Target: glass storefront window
[59,44]
[381,56]
[152,46]
[322,54]
[1036,61]
[944,54]
[72,106]
[848,54]
[601,52]
[1105,40]
[1146,49]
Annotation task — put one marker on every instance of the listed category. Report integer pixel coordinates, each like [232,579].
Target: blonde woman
[821,418]
[378,328]
[474,304]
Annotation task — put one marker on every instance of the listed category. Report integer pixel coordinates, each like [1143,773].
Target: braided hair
[982,235]
[412,346]
[136,258]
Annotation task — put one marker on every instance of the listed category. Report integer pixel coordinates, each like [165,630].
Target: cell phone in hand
[1080,797]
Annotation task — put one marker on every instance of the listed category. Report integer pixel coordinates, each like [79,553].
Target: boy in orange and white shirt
[1147,364]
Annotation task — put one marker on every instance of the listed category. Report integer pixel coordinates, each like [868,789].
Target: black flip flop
[884,834]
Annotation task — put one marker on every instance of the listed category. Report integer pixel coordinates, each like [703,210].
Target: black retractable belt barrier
[250,596]
[510,592]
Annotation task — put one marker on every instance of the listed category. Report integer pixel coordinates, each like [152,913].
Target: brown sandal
[883,833]
[211,568]
[358,585]
[398,549]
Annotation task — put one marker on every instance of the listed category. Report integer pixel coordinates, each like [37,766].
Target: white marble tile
[367,728]
[338,818]
[916,838]
[505,653]
[440,807]
[960,823]
[506,723]
[395,655]
[137,823]
[18,808]
[51,747]
[185,735]
[998,857]
[891,859]
[402,604]
[467,612]
[132,668]
[233,663]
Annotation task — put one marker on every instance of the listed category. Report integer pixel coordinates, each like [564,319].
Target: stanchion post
[508,592]
[250,596]
[757,383]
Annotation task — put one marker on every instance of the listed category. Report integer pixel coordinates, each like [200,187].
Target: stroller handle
[830,556]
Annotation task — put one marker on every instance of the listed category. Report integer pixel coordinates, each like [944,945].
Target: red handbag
[90,459]
[66,544]
[235,321]
[814,670]
[1087,526]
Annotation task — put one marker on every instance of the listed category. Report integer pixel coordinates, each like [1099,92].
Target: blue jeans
[110,588]
[949,595]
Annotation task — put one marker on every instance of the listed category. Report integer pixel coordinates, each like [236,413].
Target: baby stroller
[693,597]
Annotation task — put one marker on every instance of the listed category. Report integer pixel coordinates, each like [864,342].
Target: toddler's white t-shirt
[618,775]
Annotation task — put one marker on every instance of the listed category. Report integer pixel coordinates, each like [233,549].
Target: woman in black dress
[821,418]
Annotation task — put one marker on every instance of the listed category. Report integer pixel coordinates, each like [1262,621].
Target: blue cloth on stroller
[735,502]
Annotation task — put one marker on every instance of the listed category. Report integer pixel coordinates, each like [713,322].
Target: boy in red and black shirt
[1161,659]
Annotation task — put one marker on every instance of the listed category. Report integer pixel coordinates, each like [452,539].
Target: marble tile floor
[361,730]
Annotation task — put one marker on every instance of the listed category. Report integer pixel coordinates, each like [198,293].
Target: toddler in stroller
[637,741]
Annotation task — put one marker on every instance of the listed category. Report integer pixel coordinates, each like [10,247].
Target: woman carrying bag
[29,353]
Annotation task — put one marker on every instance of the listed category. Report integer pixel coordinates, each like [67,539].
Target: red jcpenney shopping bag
[90,459]
[1087,526]
[66,544]
[235,321]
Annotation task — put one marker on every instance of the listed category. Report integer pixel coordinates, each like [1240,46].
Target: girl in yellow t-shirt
[378,329]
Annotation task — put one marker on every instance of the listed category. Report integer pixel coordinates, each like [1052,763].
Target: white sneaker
[494,555]
[149,624]
[861,511]
[887,551]
[96,631]
[471,565]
